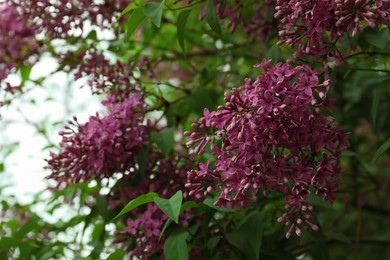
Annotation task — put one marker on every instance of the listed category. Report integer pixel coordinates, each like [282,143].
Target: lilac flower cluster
[57,19]
[103,146]
[17,42]
[143,227]
[260,22]
[104,76]
[255,20]
[271,136]
[314,26]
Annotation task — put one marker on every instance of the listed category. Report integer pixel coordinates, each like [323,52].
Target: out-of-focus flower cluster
[271,136]
[59,19]
[102,146]
[254,19]
[315,26]
[104,76]
[17,43]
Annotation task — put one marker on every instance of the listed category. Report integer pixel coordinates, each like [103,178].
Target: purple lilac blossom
[313,27]
[57,19]
[102,146]
[271,136]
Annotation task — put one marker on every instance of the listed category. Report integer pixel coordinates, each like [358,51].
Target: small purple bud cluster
[101,147]
[313,26]
[271,136]
[103,76]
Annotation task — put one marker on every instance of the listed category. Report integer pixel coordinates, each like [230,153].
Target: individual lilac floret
[271,136]
[101,147]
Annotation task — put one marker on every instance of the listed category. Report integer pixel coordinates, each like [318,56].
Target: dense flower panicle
[314,26]
[59,19]
[101,147]
[17,42]
[271,136]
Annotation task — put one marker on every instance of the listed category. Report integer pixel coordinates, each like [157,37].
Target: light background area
[46,108]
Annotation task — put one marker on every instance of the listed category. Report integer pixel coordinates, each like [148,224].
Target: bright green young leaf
[248,235]
[318,201]
[154,11]
[164,140]
[25,72]
[378,38]
[212,18]
[175,247]
[135,19]
[381,150]
[128,9]
[172,206]
[181,25]
[143,199]
[117,255]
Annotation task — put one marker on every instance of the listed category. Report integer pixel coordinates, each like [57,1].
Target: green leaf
[166,225]
[378,38]
[181,24]
[143,199]
[117,255]
[188,205]
[317,200]
[212,18]
[273,54]
[212,243]
[135,19]
[25,72]
[92,35]
[164,140]
[2,167]
[172,206]
[248,235]
[128,9]
[175,247]
[154,11]
[381,150]
[339,237]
